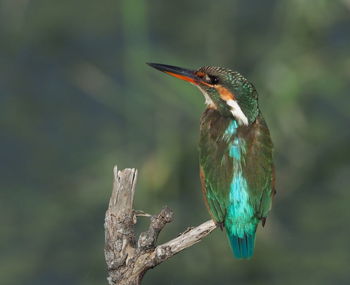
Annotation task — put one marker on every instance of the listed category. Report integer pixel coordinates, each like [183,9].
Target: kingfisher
[235,153]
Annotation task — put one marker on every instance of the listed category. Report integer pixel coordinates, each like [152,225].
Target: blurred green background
[76,98]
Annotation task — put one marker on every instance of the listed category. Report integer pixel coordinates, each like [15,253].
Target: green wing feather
[258,168]
[215,162]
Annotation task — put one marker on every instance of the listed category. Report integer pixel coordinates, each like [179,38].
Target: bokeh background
[76,98]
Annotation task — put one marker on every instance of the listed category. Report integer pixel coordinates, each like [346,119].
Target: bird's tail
[242,247]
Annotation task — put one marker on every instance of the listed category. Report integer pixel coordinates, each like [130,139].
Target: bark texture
[128,258]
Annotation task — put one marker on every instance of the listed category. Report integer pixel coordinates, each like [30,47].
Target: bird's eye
[210,79]
[214,80]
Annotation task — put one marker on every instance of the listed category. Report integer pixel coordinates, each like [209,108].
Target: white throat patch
[208,100]
[237,112]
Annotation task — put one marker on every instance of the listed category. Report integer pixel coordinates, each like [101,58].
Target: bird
[235,153]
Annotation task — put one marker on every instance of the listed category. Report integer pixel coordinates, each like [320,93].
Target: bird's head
[224,90]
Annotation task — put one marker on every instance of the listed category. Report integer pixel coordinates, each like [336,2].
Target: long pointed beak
[181,73]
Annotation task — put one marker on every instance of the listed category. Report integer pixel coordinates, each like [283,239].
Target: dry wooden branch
[128,260]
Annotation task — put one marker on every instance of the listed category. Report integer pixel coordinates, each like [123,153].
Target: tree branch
[128,261]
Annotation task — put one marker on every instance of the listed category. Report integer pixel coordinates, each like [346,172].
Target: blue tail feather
[242,247]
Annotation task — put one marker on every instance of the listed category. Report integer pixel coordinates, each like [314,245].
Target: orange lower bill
[182,77]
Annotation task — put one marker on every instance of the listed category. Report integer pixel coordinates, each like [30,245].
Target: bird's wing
[214,200]
[216,164]
[258,168]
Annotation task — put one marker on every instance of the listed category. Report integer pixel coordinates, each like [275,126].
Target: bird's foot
[220,225]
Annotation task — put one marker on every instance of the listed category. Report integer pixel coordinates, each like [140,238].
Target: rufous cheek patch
[225,94]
